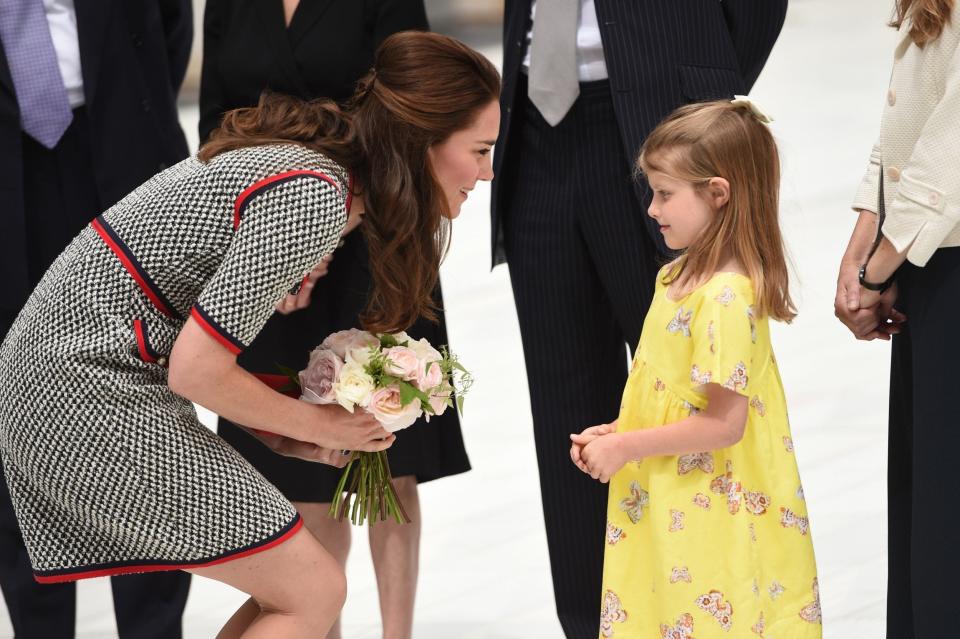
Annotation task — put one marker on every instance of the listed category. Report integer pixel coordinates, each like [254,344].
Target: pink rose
[317,379]
[341,341]
[429,375]
[359,348]
[438,402]
[402,362]
[385,407]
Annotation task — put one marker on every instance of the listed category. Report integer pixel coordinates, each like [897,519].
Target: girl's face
[463,158]
[683,211]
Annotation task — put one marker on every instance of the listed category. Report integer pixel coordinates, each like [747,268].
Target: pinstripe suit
[582,251]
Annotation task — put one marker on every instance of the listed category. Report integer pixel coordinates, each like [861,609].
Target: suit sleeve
[211,90]
[177,16]
[754,26]
[392,16]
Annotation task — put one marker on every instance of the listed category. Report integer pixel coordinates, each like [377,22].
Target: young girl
[707,533]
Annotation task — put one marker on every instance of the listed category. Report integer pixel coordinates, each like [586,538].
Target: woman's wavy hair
[698,142]
[926,17]
[422,88]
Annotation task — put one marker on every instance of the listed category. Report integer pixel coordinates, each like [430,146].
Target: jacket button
[934,199]
[893,173]
[146,105]
[162,166]
[891,97]
[162,361]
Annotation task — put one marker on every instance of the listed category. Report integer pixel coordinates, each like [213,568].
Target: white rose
[425,351]
[353,387]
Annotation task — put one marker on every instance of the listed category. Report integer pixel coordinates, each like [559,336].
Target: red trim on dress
[349,193]
[122,570]
[142,342]
[128,265]
[230,346]
[256,186]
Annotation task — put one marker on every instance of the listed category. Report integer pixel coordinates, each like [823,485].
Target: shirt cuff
[919,219]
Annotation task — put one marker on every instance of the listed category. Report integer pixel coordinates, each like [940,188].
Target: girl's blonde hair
[927,18]
[698,142]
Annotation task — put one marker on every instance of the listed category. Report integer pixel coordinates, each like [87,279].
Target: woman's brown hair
[698,142]
[927,18]
[422,88]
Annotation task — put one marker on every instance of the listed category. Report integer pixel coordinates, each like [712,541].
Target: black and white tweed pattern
[108,469]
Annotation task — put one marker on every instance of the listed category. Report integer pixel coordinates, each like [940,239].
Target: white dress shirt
[62,18]
[590,63]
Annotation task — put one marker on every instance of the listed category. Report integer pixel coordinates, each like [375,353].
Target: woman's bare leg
[298,587]
[333,534]
[396,560]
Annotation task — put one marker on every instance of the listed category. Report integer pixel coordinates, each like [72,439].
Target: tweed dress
[111,472]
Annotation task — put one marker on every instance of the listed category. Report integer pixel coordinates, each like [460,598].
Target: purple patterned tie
[25,34]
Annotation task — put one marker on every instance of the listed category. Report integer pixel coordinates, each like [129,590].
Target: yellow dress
[713,544]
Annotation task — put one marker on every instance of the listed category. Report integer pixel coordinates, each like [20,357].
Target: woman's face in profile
[465,157]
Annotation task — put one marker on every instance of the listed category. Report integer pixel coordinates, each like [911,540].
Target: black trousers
[61,197]
[582,268]
[923,484]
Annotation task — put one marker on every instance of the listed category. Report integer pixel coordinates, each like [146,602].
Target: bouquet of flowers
[394,378]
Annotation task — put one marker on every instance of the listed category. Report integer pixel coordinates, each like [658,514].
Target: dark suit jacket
[133,55]
[660,54]
[329,44]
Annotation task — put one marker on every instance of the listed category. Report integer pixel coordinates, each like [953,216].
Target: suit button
[137,40]
[891,97]
[934,199]
[162,361]
[146,105]
[162,166]
[893,173]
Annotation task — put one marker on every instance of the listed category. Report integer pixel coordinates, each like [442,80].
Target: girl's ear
[718,190]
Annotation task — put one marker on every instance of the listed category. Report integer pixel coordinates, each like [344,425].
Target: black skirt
[425,450]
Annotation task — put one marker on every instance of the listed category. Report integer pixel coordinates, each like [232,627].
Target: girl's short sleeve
[723,329]
[284,227]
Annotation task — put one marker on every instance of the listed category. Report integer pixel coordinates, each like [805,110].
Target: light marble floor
[484,562]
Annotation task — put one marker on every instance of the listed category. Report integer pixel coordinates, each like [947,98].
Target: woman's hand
[301,300]
[334,427]
[604,456]
[584,438]
[300,450]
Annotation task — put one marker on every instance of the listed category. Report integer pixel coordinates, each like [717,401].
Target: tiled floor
[484,563]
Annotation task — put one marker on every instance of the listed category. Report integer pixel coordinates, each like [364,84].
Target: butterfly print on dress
[634,504]
[680,573]
[789,519]
[811,612]
[738,378]
[713,603]
[726,296]
[676,520]
[700,377]
[689,463]
[680,323]
[701,500]
[612,612]
[682,630]
[615,534]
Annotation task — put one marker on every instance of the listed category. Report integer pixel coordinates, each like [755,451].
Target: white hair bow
[744,101]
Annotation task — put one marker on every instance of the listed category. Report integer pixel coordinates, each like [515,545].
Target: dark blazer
[133,55]
[329,44]
[660,54]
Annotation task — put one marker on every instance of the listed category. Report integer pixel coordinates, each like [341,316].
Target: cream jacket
[919,147]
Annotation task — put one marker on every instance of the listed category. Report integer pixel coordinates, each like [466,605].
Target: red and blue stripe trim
[240,205]
[132,265]
[218,333]
[127,567]
[146,351]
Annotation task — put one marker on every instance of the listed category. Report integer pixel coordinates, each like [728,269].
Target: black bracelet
[870,286]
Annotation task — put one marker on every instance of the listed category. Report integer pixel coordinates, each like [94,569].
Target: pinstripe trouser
[582,268]
[922,513]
